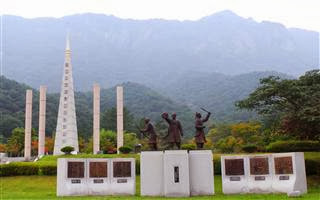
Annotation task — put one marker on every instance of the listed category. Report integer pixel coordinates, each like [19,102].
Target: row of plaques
[258,166]
[282,172]
[76,169]
[95,176]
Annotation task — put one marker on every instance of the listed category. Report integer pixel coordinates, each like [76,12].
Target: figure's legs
[153,146]
[171,146]
[199,145]
[178,145]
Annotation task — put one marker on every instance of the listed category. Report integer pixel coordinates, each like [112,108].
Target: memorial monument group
[170,173]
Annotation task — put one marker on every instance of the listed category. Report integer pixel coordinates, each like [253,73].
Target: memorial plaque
[98,169]
[234,167]
[75,169]
[283,165]
[176,174]
[121,169]
[259,166]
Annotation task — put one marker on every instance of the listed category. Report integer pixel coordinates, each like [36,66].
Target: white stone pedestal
[289,173]
[260,175]
[201,173]
[123,182]
[176,174]
[151,168]
[234,171]
[71,181]
[99,174]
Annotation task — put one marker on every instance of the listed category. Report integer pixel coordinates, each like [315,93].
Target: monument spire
[66,131]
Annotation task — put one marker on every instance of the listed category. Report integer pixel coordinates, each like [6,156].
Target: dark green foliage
[47,170]
[188,147]
[67,149]
[294,102]
[250,148]
[312,166]
[294,146]
[19,169]
[139,101]
[125,149]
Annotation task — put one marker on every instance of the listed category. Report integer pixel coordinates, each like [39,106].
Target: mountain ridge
[111,50]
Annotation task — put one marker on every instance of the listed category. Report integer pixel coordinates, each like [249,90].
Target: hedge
[34,168]
[294,146]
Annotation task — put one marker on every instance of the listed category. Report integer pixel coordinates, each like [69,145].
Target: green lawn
[44,187]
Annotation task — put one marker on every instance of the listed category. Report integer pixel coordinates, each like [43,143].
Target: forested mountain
[138,99]
[216,92]
[110,50]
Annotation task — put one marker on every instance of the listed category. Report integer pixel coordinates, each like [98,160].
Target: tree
[295,102]
[109,119]
[49,144]
[16,142]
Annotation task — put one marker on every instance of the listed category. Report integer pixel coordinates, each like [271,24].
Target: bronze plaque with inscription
[234,167]
[259,166]
[121,169]
[75,169]
[98,169]
[283,165]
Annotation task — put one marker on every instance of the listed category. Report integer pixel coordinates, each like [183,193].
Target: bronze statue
[200,137]
[151,134]
[174,130]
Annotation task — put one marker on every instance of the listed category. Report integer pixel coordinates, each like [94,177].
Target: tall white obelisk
[66,131]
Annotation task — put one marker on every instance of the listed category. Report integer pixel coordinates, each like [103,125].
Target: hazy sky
[292,13]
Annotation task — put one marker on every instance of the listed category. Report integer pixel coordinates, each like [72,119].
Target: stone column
[42,120]
[96,118]
[119,117]
[27,129]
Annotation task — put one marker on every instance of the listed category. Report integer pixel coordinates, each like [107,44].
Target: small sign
[122,180]
[284,178]
[235,178]
[97,180]
[259,178]
[75,181]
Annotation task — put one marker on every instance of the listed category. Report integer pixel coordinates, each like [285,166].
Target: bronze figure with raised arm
[175,131]
[200,137]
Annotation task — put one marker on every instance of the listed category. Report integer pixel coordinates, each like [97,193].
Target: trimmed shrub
[125,149]
[48,170]
[67,149]
[188,147]
[312,167]
[293,146]
[249,148]
[18,169]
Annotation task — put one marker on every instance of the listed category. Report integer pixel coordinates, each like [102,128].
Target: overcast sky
[292,13]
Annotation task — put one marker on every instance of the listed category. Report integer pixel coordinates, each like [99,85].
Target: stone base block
[151,168]
[201,173]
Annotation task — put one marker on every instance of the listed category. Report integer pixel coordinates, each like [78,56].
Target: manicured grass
[44,187]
